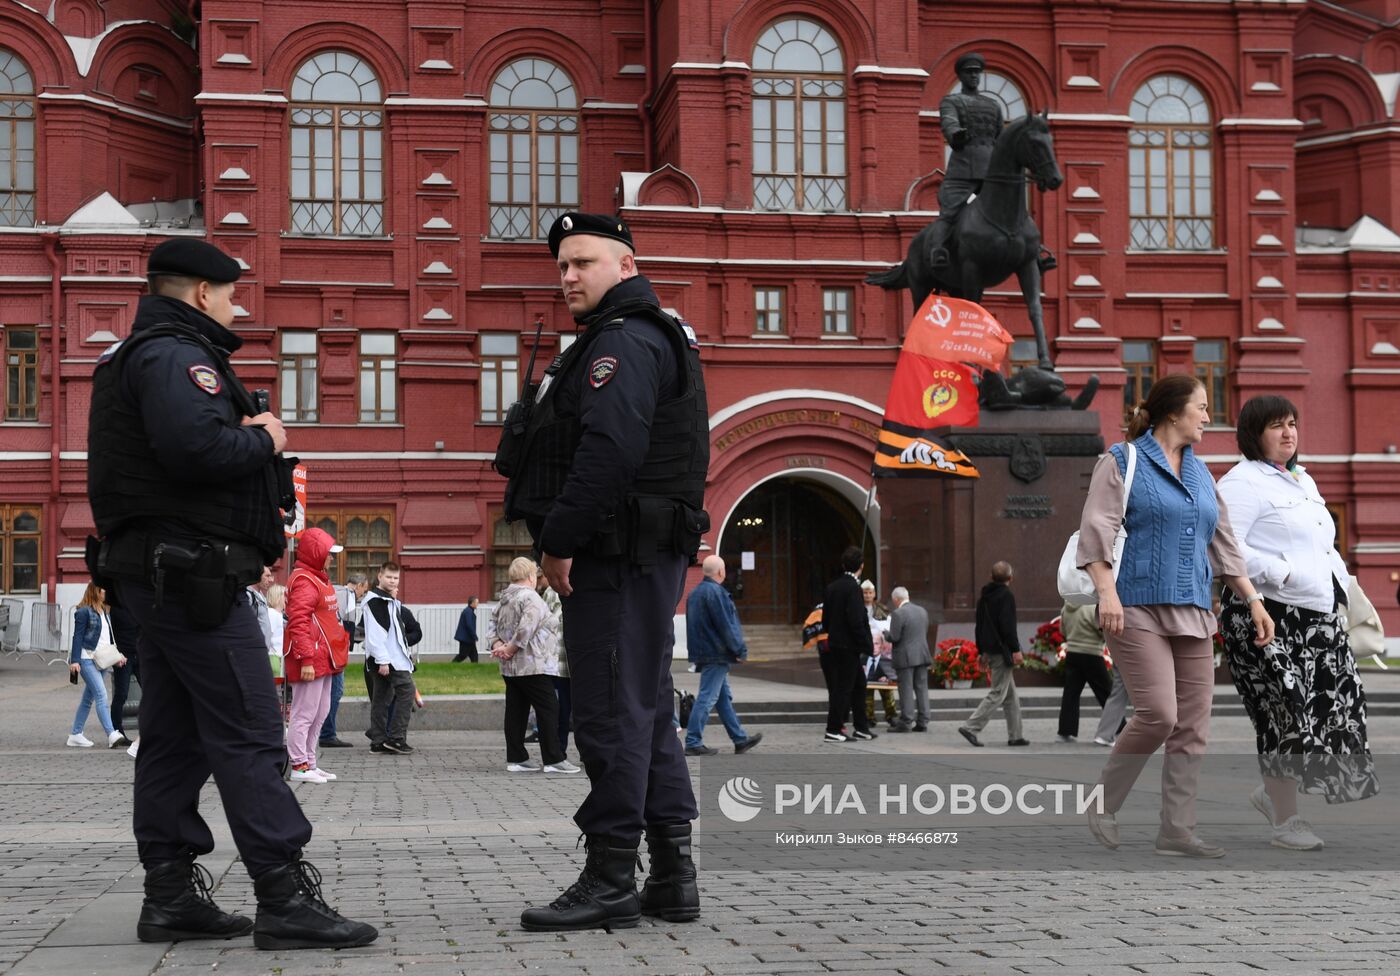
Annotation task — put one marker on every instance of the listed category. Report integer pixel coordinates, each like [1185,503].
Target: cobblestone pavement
[443,848]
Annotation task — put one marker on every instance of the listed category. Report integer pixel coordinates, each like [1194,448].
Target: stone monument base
[940,537]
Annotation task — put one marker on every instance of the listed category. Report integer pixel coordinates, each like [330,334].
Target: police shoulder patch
[602,370]
[690,337]
[206,378]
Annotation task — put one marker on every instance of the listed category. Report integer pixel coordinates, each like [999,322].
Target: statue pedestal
[940,537]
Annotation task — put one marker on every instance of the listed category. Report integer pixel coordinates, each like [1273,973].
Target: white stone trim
[711,66]
[865,69]
[115,107]
[1288,123]
[1346,136]
[241,97]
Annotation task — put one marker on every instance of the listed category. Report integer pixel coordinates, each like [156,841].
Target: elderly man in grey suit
[909,636]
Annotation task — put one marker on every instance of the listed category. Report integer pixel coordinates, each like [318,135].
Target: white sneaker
[562,766]
[80,741]
[528,766]
[1296,834]
[1261,801]
[132,750]
[1101,741]
[324,774]
[1065,738]
[113,738]
[307,776]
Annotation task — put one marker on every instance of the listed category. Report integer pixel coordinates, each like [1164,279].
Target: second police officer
[609,475]
[184,479]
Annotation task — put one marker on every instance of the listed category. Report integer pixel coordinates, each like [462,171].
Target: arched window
[337,147]
[16,142]
[799,118]
[1169,167]
[534,148]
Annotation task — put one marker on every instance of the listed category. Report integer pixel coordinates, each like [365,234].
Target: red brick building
[1230,207]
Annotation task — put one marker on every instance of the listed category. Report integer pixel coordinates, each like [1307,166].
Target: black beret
[972,57]
[599,225]
[190,257]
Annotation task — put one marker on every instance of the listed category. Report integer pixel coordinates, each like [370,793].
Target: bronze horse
[995,235]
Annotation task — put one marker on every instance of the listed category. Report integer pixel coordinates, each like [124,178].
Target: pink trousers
[1171,681]
[311,702]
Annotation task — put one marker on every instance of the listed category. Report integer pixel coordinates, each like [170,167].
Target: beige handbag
[105,656]
[1364,630]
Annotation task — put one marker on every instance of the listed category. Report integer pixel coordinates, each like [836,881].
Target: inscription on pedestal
[1027,507]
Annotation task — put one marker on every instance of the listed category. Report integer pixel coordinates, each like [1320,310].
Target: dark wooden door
[796,530]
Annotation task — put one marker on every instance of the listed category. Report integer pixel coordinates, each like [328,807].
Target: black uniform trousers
[845,689]
[208,705]
[619,626]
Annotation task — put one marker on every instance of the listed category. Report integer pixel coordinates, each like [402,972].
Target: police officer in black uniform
[184,478]
[971,123]
[609,475]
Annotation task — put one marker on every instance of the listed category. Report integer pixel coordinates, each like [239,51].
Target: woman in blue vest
[1302,692]
[1156,615]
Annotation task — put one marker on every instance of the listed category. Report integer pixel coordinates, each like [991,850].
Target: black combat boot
[670,892]
[292,914]
[604,896]
[178,906]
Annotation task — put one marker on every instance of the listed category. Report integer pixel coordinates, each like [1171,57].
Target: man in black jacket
[1001,651]
[848,638]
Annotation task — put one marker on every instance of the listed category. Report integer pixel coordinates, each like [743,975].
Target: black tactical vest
[678,455]
[127,484]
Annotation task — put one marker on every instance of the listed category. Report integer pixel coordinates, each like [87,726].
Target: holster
[203,576]
[656,525]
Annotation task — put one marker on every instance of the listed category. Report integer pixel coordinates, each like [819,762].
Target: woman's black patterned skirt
[1304,697]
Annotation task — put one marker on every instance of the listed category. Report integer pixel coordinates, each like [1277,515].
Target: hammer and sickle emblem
[940,314]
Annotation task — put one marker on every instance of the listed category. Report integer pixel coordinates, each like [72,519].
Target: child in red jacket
[316,647]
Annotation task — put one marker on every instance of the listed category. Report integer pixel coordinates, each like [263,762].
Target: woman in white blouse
[1301,690]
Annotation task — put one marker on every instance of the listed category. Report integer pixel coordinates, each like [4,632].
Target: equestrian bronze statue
[993,237]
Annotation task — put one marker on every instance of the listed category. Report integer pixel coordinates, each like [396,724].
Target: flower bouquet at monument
[957,663]
[1047,650]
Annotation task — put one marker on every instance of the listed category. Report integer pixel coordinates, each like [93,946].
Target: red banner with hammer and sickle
[949,340]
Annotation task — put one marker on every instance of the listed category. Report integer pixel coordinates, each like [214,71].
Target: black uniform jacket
[615,389]
[191,414]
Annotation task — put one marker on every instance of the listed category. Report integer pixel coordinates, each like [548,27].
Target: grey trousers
[1114,710]
[397,688]
[1003,696]
[913,694]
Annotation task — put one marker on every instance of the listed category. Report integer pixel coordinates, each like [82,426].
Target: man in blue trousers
[715,643]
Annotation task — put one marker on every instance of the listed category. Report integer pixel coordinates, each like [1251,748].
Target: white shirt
[1286,533]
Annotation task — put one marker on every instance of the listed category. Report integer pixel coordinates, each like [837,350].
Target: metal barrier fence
[11,620]
[439,623]
[46,629]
